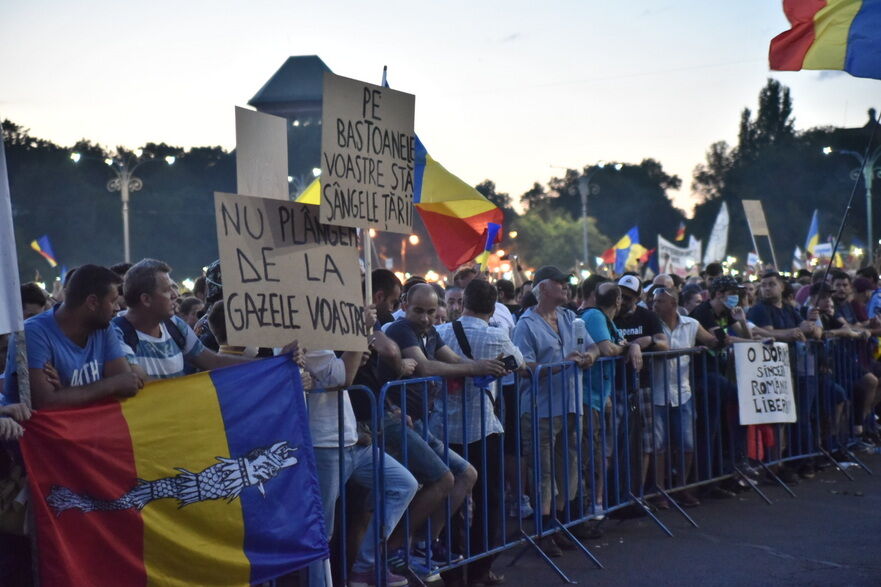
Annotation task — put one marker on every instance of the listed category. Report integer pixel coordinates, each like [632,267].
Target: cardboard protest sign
[261,154]
[287,276]
[764,383]
[755,217]
[367,155]
[678,260]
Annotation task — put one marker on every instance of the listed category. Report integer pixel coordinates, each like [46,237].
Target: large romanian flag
[456,215]
[203,480]
[830,34]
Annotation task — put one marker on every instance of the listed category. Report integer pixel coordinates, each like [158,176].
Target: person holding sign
[156,342]
[674,412]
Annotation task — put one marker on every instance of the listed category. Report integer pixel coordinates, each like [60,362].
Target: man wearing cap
[722,317]
[642,330]
[544,335]
[721,314]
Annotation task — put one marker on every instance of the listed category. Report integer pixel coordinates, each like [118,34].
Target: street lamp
[584,189]
[869,168]
[125,182]
[413,239]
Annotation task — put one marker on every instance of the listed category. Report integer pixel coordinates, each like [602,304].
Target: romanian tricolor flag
[202,480]
[813,236]
[830,34]
[621,252]
[680,232]
[456,215]
[44,248]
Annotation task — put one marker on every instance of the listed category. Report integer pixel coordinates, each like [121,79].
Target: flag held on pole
[830,34]
[44,248]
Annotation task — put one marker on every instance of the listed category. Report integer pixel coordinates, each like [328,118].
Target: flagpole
[367,240]
[853,193]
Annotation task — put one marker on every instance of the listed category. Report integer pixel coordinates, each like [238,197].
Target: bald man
[417,338]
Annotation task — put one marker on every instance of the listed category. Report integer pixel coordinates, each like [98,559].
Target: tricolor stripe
[455,214]
[830,34]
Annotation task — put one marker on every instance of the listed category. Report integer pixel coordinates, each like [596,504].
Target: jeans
[400,487]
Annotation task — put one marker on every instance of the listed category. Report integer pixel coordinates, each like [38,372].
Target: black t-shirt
[401,331]
[706,315]
[642,322]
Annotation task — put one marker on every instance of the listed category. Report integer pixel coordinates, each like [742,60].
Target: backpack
[130,335]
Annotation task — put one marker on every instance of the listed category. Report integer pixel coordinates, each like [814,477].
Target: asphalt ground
[829,534]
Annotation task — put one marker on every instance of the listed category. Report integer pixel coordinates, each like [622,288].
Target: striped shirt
[160,357]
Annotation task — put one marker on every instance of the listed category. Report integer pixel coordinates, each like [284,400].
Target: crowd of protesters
[456,462]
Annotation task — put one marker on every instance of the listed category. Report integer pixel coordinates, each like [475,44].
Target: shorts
[562,485]
[676,421]
[427,458]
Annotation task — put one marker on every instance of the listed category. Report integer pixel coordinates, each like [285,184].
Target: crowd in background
[105,332]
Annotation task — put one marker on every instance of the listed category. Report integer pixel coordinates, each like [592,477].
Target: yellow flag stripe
[202,543]
[831,29]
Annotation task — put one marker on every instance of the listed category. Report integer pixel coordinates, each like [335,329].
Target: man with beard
[74,357]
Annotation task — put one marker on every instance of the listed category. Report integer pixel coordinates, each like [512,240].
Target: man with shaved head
[417,338]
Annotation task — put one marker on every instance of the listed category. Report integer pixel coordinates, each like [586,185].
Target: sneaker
[807,471]
[438,553]
[549,547]
[589,530]
[687,499]
[563,541]
[428,573]
[368,579]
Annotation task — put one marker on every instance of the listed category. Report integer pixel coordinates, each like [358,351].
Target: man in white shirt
[330,375]
[674,412]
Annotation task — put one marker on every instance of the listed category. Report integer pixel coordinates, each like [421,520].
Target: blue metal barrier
[599,440]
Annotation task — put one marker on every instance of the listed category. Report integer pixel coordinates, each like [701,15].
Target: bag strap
[174,332]
[459,330]
[129,334]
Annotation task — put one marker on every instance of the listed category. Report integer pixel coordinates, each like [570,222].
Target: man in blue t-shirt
[74,357]
[777,319]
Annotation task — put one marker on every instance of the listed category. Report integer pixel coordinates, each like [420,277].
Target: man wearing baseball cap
[643,331]
[722,311]
[544,334]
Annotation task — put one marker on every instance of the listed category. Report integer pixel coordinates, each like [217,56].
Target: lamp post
[585,189]
[125,182]
[870,168]
[413,239]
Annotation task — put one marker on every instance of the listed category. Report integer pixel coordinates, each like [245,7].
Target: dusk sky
[504,90]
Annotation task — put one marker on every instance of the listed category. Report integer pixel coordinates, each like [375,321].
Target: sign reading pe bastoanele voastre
[367,155]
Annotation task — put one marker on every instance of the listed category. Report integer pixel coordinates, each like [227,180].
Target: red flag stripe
[113,554]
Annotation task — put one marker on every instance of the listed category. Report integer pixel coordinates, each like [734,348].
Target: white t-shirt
[666,390]
[329,371]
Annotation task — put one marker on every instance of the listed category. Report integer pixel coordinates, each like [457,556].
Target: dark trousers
[491,484]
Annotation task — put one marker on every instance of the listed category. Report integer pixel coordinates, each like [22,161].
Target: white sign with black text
[764,383]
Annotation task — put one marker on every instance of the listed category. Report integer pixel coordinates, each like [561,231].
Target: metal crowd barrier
[588,443]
